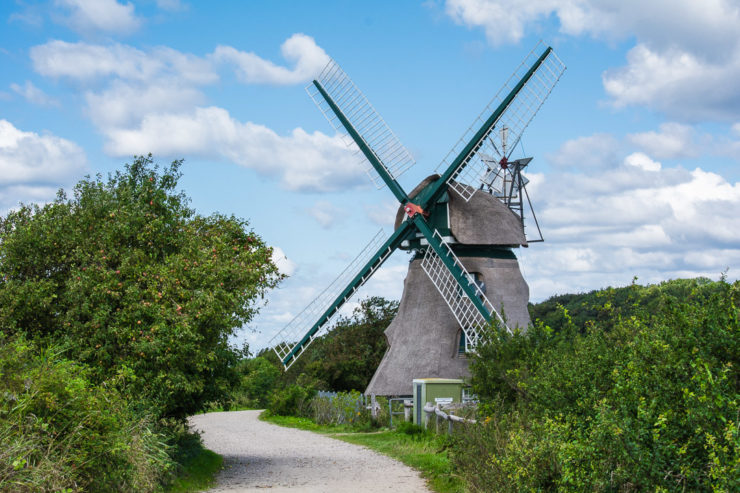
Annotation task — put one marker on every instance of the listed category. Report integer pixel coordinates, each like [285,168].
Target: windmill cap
[483,220]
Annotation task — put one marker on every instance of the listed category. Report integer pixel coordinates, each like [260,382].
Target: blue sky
[635,169]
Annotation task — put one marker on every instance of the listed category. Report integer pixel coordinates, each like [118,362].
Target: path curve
[259,455]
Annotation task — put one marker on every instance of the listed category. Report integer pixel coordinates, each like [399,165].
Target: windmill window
[462,346]
[478,279]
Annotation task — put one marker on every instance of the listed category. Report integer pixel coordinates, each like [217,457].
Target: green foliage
[345,358]
[259,378]
[645,397]
[350,409]
[409,428]
[294,400]
[138,286]
[198,465]
[61,432]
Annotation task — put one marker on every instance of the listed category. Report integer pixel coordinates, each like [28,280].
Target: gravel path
[259,455]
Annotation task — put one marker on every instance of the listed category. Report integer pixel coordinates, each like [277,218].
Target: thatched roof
[483,220]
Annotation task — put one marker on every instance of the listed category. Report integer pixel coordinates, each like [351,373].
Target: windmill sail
[372,129]
[295,337]
[471,320]
[497,130]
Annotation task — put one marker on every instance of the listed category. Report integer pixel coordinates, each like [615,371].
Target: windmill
[461,223]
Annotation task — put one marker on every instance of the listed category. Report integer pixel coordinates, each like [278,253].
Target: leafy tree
[261,376]
[346,358]
[139,286]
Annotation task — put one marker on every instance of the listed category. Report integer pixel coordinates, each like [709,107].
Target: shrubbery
[643,401]
[127,298]
[293,400]
[61,432]
[344,359]
[140,286]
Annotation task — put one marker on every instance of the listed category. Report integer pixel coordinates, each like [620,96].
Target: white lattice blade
[467,315]
[502,137]
[291,335]
[371,127]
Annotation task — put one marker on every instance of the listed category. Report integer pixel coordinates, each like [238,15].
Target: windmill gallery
[461,224]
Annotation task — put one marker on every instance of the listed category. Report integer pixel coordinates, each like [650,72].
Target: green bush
[344,408]
[61,432]
[409,428]
[346,357]
[139,286]
[647,401]
[294,400]
[259,377]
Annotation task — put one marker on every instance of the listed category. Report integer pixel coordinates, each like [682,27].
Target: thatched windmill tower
[462,225]
[425,339]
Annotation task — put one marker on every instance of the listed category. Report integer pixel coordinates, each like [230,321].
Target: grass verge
[425,452]
[199,468]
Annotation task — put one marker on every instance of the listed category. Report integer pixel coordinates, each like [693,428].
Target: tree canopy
[135,284]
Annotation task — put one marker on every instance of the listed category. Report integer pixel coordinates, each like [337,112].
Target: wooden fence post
[373,407]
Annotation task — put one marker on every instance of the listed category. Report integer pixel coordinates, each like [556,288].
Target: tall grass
[60,432]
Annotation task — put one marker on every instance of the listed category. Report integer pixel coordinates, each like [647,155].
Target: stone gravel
[259,455]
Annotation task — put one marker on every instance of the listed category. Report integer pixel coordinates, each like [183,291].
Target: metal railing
[430,409]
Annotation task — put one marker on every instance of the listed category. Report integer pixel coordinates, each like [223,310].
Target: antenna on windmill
[449,235]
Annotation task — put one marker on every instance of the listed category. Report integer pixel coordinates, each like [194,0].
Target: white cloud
[111,108]
[302,161]
[678,83]
[307,56]
[674,140]
[503,21]
[33,166]
[100,15]
[642,161]
[594,151]
[170,117]
[283,263]
[325,213]
[33,94]
[632,217]
[685,59]
[86,62]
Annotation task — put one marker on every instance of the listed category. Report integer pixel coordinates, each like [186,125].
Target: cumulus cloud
[594,151]
[673,140]
[681,47]
[86,62]
[171,117]
[283,263]
[634,217]
[33,166]
[642,161]
[325,213]
[302,50]
[301,161]
[106,16]
[503,21]
[33,94]
[678,83]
